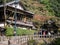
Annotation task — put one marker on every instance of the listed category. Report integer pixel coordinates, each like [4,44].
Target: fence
[20,40]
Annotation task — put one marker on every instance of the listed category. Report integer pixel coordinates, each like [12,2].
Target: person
[44,33]
[49,33]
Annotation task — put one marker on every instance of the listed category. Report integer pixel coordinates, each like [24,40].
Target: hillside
[52,6]
[35,7]
[2,1]
[43,7]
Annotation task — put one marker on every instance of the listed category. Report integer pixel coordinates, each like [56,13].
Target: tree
[50,26]
[53,6]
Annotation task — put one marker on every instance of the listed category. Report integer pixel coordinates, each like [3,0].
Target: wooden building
[24,17]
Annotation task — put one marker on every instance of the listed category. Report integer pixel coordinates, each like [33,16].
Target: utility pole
[5,12]
[15,17]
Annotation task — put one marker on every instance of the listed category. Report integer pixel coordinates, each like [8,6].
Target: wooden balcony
[30,24]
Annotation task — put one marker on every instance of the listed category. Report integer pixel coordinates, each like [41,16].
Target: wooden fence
[20,40]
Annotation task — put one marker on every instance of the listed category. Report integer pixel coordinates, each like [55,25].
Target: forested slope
[43,7]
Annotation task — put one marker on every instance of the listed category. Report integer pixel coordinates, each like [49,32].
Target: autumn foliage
[41,17]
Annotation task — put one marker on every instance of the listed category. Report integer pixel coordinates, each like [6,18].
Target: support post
[15,17]
[5,12]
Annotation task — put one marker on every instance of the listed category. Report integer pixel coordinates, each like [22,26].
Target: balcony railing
[21,23]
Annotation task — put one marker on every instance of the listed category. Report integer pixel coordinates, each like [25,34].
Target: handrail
[19,40]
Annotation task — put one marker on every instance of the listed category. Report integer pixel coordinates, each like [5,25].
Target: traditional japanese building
[24,17]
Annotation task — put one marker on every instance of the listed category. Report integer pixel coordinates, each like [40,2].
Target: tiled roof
[9,3]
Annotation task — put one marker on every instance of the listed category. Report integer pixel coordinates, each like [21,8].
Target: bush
[10,31]
[32,42]
[56,42]
[24,32]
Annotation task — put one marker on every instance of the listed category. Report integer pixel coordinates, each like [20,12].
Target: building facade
[23,17]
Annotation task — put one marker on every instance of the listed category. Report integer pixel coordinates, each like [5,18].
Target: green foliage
[53,6]
[24,31]
[56,41]
[35,7]
[32,42]
[19,31]
[9,31]
[2,1]
[43,1]
[35,42]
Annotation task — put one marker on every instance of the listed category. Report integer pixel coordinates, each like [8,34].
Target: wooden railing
[19,40]
[21,23]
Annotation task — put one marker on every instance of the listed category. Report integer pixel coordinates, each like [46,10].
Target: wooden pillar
[25,19]
[5,12]
[11,18]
